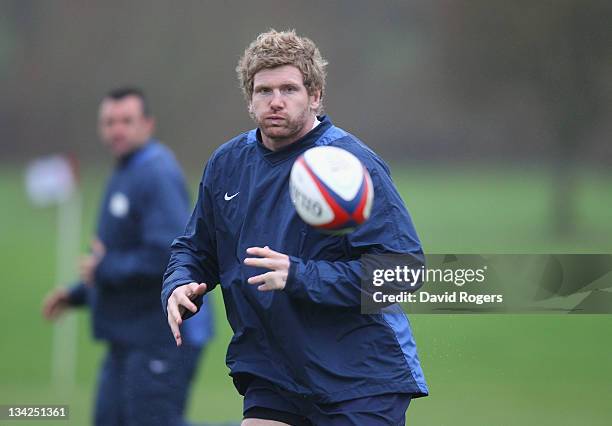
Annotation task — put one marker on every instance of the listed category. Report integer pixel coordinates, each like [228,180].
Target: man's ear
[315,100]
[152,124]
[250,109]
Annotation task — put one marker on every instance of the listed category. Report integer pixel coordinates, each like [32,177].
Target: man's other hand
[279,264]
[55,304]
[179,301]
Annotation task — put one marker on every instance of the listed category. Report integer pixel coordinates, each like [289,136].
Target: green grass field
[481,369]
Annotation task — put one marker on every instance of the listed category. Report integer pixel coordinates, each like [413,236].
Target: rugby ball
[331,189]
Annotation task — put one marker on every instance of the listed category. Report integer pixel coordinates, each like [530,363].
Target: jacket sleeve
[163,211]
[388,230]
[77,294]
[194,254]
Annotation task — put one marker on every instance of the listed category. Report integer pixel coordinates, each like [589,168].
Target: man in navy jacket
[145,378]
[302,353]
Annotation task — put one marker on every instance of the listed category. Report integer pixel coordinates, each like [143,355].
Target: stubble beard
[288,130]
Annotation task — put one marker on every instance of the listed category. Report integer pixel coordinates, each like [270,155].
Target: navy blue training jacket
[145,206]
[309,338]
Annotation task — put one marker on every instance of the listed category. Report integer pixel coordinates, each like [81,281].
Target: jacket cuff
[77,295]
[294,286]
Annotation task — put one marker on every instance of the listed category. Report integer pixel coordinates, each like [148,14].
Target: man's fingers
[54,312]
[47,304]
[271,281]
[175,331]
[257,251]
[187,303]
[198,290]
[51,306]
[181,300]
[174,323]
[277,262]
[268,259]
[54,305]
[202,287]
[268,286]
[264,252]
[192,290]
[261,262]
[257,279]
[48,311]
[173,310]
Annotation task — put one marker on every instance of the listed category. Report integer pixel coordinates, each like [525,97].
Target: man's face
[122,125]
[281,105]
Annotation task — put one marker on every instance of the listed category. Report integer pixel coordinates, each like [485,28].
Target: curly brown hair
[276,48]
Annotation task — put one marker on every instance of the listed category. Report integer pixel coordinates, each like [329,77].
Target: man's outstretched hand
[55,304]
[277,262]
[179,301]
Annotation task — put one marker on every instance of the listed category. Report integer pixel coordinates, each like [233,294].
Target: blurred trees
[483,81]
[557,50]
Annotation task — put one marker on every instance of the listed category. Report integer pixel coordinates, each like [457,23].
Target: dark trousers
[145,386]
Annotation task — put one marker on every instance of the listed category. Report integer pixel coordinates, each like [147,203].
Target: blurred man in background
[144,379]
[302,352]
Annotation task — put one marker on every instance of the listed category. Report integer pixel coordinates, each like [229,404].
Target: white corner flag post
[53,181]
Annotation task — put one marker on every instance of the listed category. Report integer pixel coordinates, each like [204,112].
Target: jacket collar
[139,154]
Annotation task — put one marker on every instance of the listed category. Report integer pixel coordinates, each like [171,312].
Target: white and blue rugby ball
[331,189]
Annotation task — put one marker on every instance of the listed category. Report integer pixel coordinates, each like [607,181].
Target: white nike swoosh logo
[227,197]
